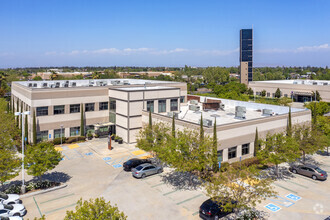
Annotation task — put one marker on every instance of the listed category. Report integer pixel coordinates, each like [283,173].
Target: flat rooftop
[50,84]
[227,114]
[133,88]
[297,82]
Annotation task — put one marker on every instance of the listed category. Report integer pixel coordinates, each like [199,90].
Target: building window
[112,105]
[42,136]
[103,106]
[268,94]
[150,106]
[286,95]
[75,108]
[90,129]
[58,109]
[174,104]
[220,157]
[181,99]
[232,152]
[112,117]
[89,107]
[41,111]
[74,131]
[57,133]
[162,105]
[273,95]
[245,149]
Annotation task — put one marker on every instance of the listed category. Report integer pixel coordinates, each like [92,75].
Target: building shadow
[182,180]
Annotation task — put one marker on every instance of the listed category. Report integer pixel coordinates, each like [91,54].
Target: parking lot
[90,170]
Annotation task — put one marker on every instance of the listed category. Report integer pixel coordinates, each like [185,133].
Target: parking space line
[285,188]
[168,193]
[157,185]
[66,156]
[194,197]
[67,206]
[37,206]
[195,213]
[149,177]
[78,153]
[305,178]
[57,198]
[296,184]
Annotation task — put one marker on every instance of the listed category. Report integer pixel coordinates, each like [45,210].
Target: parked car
[134,162]
[9,199]
[11,218]
[12,210]
[212,209]
[146,169]
[323,153]
[310,171]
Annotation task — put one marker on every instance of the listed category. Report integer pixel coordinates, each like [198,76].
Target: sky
[198,33]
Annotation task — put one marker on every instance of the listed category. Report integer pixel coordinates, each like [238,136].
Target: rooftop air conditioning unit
[206,122]
[295,82]
[240,109]
[44,85]
[66,85]
[314,83]
[73,84]
[52,85]
[57,85]
[193,102]
[325,84]
[267,112]
[222,106]
[240,115]
[126,82]
[35,85]
[194,107]
[30,84]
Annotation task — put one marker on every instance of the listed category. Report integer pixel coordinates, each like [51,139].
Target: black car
[134,162]
[211,209]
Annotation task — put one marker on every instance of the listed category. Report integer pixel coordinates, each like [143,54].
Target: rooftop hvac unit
[35,85]
[194,107]
[66,85]
[30,84]
[267,112]
[314,83]
[73,84]
[325,84]
[206,122]
[52,85]
[240,109]
[44,85]
[222,106]
[57,85]
[295,82]
[193,102]
[240,115]
[126,82]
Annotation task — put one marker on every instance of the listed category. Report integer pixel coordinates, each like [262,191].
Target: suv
[12,210]
[134,162]
[9,199]
[212,209]
[310,171]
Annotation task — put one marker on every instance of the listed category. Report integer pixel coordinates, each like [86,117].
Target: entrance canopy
[98,125]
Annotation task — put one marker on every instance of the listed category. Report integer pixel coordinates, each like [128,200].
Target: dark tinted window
[58,109]
[139,167]
[41,111]
[75,108]
[103,106]
[2,211]
[319,170]
[89,107]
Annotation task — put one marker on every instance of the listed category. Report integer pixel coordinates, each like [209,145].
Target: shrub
[57,141]
[13,189]
[247,162]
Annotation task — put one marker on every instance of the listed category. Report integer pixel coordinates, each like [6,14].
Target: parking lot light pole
[18,114]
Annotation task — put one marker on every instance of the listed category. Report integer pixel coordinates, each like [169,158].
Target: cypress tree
[26,129]
[150,120]
[201,128]
[34,128]
[173,127]
[82,128]
[256,143]
[314,114]
[289,125]
[215,147]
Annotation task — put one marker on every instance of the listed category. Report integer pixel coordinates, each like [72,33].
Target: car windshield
[129,162]
[3,196]
[10,207]
[139,168]
[319,170]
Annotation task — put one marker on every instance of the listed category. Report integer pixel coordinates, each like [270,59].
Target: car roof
[145,164]
[308,165]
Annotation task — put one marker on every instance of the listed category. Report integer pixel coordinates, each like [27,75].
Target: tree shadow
[283,173]
[55,176]
[309,160]
[182,180]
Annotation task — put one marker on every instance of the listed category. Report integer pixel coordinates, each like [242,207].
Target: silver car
[310,171]
[146,169]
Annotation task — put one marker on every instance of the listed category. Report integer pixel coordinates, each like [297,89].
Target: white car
[11,218]
[12,210]
[9,199]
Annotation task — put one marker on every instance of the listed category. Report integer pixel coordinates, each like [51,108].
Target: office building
[246,56]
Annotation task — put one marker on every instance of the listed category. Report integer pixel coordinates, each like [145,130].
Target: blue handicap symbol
[88,154]
[106,158]
[117,165]
[272,207]
[293,197]
[282,201]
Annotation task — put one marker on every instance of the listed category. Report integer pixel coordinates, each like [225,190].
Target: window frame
[232,150]
[151,107]
[245,149]
[73,107]
[174,107]
[161,105]
[59,110]
[89,107]
[75,131]
[41,111]
[102,106]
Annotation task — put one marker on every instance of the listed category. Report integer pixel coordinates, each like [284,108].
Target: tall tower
[246,55]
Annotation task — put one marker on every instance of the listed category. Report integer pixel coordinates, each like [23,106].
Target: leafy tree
[316,95]
[9,165]
[319,108]
[96,209]
[34,128]
[277,149]
[263,93]
[173,126]
[242,185]
[82,127]
[201,129]
[284,101]
[9,134]
[37,78]
[41,158]
[278,93]
[54,76]
[323,126]
[249,91]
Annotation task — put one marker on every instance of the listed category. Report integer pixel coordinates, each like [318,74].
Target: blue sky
[162,33]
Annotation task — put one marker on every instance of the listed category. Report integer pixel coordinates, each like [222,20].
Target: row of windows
[232,152]
[162,105]
[74,108]
[273,94]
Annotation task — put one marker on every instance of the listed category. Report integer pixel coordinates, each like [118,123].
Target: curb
[43,191]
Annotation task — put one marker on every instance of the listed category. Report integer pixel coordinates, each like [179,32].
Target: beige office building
[237,122]
[299,90]
[109,105]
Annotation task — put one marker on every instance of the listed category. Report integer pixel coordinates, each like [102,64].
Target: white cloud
[302,49]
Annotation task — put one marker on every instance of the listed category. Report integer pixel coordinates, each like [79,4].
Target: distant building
[299,90]
[246,55]
[46,75]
